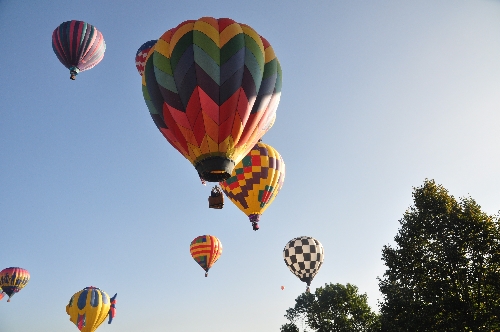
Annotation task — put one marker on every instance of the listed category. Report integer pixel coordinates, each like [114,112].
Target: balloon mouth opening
[215,168]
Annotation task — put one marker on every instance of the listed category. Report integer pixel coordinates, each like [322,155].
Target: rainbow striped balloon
[78,45]
[12,280]
[206,250]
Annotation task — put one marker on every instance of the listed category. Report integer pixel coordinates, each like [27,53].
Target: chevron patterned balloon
[154,102]
[220,85]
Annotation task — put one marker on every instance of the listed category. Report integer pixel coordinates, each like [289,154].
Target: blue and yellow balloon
[88,308]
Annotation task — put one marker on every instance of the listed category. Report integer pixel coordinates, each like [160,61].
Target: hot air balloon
[220,85]
[304,257]
[256,181]
[154,101]
[12,280]
[78,45]
[152,97]
[206,250]
[142,54]
[282,287]
[88,308]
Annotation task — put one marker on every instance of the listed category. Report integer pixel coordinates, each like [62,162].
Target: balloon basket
[216,198]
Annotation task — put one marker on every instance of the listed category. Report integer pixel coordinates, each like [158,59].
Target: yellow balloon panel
[89,308]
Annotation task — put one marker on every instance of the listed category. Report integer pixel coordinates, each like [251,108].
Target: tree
[444,272]
[334,308]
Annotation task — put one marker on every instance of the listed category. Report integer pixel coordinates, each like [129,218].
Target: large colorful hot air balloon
[256,181]
[220,85]
[12,280]
[206,250]
[88,308]
[142,54]
[304,256]
[154,101]
[78,45]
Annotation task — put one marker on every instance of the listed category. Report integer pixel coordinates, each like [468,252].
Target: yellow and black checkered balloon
[255,181]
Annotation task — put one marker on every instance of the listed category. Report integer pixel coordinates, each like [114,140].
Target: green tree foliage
[444,272]
[333,308]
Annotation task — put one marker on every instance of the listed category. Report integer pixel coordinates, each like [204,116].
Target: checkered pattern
[304,256]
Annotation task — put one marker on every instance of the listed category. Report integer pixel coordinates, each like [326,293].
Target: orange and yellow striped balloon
[206,250]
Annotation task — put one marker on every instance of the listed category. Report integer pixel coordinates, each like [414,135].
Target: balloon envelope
[304,256]
[154,102]
[255,181]
[220,85]
[88,308]
[79,46]
[12,280]
[206,250]
[141,55]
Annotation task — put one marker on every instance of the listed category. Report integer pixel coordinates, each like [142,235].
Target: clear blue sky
[377,96]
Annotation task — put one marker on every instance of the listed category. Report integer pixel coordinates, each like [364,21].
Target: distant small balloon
[304,256]
[206,250]
[12,280]
[79,46]
[282,287]
[142,54]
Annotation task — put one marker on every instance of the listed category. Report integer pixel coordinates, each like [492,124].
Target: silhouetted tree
[443,274]
[333,308]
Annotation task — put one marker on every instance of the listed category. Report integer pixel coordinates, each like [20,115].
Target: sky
[377,97]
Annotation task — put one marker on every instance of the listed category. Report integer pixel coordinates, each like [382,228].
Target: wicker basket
[216,198]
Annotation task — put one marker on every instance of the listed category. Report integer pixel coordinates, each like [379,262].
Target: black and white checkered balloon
[304,256]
